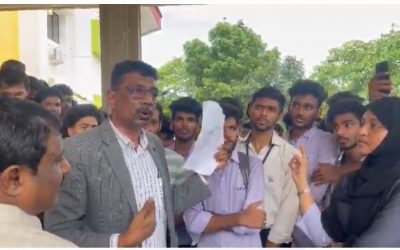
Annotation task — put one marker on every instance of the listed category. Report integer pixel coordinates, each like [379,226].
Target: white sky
[305,31]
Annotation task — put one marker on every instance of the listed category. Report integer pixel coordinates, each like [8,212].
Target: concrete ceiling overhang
[150,15]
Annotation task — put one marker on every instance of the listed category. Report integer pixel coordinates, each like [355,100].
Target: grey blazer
[97,199]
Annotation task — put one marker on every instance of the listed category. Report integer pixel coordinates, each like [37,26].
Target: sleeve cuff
[196,223]
[310,223]
[241,230]
[279,238]
[114,241]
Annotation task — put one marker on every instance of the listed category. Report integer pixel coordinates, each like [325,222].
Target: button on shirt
[228,196]
[146,184]
[280,196]
[321,147]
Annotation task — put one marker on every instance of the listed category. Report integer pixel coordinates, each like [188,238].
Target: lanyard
[266,155]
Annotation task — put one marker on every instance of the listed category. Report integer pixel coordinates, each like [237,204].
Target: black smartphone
[382,67]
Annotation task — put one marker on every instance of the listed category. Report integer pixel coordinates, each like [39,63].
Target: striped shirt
[175,163]
[146,183]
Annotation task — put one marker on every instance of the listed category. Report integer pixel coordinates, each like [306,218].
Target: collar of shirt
[235,156]
[124,140]
[306,136]
[341,156]
[173,148]
[13,215]
[276,140]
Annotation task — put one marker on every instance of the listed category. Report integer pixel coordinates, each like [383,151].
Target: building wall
[23,36]
[77,57]
[9,46]
[25,39]
[33,42]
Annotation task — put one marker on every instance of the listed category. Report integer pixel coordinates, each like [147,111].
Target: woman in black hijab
[365,208]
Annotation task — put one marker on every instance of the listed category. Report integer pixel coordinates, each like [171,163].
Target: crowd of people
[117,177]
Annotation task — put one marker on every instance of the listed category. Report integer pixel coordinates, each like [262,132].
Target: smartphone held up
[382,70]
[382,74]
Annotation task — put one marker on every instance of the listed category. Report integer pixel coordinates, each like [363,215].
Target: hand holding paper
[211,137]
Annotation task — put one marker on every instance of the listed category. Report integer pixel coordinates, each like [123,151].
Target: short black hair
[36,84]
[45,93]
[246,125]
[78,112]
[12,77]
[343,95]
[63,89]
[166,129]
[24,130]
[187,105]
[122,68]
[270,93]
[13,65]
[230,111]
[344,106]
[160,111]
[235,102]
[287,120]
[308,87]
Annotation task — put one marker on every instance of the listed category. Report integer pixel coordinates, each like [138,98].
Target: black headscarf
[363,192]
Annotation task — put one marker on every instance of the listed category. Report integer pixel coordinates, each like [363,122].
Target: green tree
[291,69]
[351,66]
[235,62]
[173,83]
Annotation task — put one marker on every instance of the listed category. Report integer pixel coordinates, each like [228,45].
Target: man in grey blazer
[118,169]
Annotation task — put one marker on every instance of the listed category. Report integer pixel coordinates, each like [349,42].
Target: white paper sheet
[201,160]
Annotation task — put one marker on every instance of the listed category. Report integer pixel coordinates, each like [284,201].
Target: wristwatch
[305,191]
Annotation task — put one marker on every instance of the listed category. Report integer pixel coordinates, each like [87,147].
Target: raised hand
[142,226]
[379,88]
[299,165]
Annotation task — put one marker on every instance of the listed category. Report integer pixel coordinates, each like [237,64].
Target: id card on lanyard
[271,145]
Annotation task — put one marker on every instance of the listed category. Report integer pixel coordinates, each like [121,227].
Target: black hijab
[364,191]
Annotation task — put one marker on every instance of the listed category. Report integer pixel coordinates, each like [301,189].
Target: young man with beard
[186,113]
[185,123]
[305,108]
[280,200]
[231,217]
[345,116]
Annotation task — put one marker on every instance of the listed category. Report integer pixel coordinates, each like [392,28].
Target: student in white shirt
[280,201]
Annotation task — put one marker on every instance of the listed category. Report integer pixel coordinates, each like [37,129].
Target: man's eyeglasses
[140,92]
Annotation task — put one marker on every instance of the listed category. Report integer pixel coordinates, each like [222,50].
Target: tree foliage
[235,62]
[351,66]
[291,69]
[173,82]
